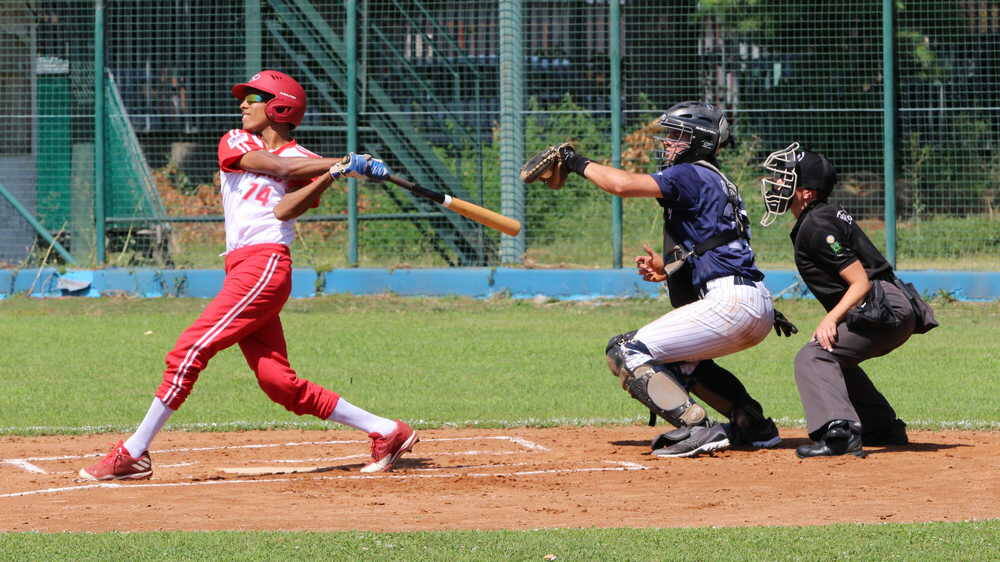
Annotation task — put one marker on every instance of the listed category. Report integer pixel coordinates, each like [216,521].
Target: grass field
[85,365]
[922,541]
[449,361]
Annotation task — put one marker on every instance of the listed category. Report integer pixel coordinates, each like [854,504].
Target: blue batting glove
[356,166]
[353,166]
[360,166]
[377,169]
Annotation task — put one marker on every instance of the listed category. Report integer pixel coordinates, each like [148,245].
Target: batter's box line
[27,463]
[472,453]
[621,466]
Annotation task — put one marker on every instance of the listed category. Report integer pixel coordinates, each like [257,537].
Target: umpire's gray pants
[831,384]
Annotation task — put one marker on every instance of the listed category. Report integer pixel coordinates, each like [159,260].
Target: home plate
[267,470]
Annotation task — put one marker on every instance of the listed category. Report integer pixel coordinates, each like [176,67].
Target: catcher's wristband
[577,163]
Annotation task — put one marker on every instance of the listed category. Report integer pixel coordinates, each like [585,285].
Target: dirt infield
[492,479]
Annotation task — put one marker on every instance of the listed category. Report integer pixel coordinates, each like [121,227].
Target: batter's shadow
[406,463]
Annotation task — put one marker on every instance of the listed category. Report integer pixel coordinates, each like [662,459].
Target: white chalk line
[621,467]
[21,462]
[471,466]
[329,459]
[360,456]
[158,466]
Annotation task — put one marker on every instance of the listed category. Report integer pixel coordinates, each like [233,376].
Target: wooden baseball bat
[471,211]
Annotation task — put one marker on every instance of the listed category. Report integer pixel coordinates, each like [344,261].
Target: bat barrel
[486,217]
[468,210]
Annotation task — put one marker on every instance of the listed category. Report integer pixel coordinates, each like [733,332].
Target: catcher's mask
[789,169]
[693,131]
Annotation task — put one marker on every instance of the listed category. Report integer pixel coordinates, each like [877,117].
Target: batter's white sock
[350,415]
[157,415]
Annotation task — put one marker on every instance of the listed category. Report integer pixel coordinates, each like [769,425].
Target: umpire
[869,311]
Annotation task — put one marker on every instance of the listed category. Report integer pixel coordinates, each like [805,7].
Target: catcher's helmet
[288,103]
[794,168]
[694,131]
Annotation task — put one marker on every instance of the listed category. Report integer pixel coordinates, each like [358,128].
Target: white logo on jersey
[842,215]
[237,138]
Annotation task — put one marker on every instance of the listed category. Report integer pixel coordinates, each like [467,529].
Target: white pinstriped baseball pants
[730,317]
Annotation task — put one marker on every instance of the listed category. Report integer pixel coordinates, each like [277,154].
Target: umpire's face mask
[778,186]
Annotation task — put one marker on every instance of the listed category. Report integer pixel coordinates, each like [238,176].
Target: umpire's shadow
[911,446]
[792,443]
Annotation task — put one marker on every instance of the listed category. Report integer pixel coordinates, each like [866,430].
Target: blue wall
[565,284]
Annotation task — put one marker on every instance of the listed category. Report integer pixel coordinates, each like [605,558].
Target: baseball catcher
[728,308]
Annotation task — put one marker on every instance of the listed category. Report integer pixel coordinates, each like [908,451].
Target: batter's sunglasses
[257,98]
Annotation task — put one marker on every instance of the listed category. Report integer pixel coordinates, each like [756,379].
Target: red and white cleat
[118,464]
[386,449]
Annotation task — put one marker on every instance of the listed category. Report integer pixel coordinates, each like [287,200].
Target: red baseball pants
[258,282]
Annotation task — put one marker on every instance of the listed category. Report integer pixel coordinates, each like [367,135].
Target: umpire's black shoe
[895,434]
[842,437]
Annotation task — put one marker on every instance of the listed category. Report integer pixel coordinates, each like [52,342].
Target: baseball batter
[843,269]
[704,215]
[267,180]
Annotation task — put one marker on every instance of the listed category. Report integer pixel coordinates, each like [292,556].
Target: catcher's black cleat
[669,438]
[762,436]
[705,437]
[895,434]
[842,437]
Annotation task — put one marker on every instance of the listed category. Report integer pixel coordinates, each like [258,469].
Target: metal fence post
[99,223]
[614,54]
[253,27]
[511,125]
[351,42]
[889,126]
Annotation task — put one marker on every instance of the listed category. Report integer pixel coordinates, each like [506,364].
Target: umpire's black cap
[817,173]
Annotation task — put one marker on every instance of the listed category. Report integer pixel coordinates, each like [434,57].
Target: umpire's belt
[729,280]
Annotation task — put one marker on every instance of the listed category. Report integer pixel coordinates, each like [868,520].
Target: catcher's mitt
[547,166]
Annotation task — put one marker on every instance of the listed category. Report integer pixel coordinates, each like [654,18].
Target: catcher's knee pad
[616,354]
[657,389]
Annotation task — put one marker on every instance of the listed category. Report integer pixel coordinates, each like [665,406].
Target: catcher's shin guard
[655,386]
[658,390]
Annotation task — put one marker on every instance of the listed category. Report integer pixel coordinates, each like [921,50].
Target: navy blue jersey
[696,207]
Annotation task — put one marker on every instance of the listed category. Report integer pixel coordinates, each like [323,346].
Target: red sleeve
[233,145]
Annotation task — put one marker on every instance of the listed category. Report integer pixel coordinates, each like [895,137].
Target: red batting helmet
[289,102]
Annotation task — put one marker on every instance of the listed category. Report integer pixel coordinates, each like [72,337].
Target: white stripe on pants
[729,318]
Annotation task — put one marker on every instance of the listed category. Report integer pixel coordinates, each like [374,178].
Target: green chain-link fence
[453,94]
